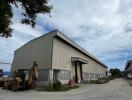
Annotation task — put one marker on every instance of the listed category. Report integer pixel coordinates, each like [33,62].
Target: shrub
[67,87]
[99,81]
[111,78]
[92,82]
[71,83]
[57,85]
[102,80]
[49,87]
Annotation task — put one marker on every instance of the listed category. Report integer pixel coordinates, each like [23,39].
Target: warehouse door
[77,68]
[77,72]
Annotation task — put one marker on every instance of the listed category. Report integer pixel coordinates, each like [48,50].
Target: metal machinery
[21,79]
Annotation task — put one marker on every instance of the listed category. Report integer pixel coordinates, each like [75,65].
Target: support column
[51,75]
[81,71]
[76,74]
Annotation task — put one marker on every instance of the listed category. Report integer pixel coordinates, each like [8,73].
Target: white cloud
[26,29]
[103,27]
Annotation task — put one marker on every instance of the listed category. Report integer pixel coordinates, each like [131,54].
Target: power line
[5,63]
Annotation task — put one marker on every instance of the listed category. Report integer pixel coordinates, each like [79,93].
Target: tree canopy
[30,10]
[115,72]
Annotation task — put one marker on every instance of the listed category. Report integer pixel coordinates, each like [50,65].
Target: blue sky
[102,27]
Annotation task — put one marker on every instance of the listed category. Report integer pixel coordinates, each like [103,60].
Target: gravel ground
[117,89]
[130,82]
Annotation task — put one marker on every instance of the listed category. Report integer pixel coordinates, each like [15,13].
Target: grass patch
[98,81]
[56,86]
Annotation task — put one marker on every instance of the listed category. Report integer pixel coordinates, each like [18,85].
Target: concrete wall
[129,68]
[39,50]
[129,71]
[129,75]
[62,53]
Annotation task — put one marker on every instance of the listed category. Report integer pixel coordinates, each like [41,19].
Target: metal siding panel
[62,54]
[37,50]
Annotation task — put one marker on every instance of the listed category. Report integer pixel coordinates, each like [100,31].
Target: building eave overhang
[77,59]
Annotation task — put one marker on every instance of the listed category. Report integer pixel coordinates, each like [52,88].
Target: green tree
[115,72]
[30,10]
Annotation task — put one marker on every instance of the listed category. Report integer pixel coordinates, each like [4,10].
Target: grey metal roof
[61,35]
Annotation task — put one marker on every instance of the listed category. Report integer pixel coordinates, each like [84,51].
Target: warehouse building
[128,69]
[58,58]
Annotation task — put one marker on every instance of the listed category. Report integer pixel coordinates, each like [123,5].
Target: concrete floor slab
[118,89]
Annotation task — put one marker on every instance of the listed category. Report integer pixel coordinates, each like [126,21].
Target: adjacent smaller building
[128,69]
